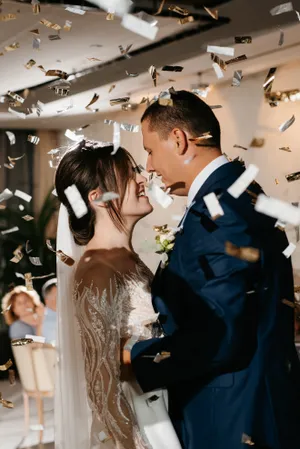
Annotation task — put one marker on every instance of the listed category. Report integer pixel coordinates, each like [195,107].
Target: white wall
[244,115]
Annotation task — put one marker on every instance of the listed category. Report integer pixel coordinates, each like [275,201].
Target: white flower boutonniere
[164,242]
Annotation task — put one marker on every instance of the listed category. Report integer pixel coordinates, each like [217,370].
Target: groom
[227,356]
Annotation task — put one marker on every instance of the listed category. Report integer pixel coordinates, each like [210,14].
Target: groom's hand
[125,353]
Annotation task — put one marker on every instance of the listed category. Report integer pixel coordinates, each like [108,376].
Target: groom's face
[163,159]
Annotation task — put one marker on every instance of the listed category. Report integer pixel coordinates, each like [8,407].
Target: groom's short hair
[189,113]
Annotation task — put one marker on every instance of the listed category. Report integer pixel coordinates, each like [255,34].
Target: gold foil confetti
[54,37]
[53,26]
[67,25]
[7,365]
[161,6]
[111,88]
[153,72]
[287,149]
[12,47]
[28,281]
[237,59]
[237,78]
[94,59]
[59,73]
[269,79]
[124,51]
[212,12]
[240,146]
[33,139]
[276,181]
[7,17]
[36,7]
[257,142]
[35,31]
[18,255]
[93,100]
[6,404]
[184,20]
[244,253]
[14,159]
[285,125]
[30,64]
[120,100]
[178,10]
[41,68]
[218,65]
[293,176]
[62,256]
[247,440]
[110,16]
[203,136]
[243,39]
[16,97]
[161,356]
[21,341]
[282,8]
[28,217]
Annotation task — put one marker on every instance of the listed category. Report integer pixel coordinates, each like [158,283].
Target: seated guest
[23,312]
[49,292]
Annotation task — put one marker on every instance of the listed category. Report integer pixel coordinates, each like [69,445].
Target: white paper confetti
[118,7]
[227,51]
[72,136]
[158,195]
[280,224]
[116,137]
[21,207]
[108,196]
[130,128]
[282,8]
[17,114]
[6,195]
[36,338]
[11,136]
[139,26]
[76,202]
[285,125]
[76,10]
[218,70]
[289,250]
[24,196]
[278,209]
[241,184]
[54,192]
[35,261]
[9,231]
[213,205]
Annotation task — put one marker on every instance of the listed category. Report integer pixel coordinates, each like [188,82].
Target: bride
[98,402]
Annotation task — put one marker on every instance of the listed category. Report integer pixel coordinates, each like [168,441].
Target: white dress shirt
[203,176]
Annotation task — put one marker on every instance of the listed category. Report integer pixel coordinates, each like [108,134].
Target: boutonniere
[164,242]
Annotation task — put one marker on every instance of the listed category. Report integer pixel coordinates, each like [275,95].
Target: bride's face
[136,203]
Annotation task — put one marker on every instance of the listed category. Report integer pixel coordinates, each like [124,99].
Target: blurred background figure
[23,312]
[49,293]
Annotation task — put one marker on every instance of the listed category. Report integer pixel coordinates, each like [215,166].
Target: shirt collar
[204,175]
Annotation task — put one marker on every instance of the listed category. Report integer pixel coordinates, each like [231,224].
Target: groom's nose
[149,167]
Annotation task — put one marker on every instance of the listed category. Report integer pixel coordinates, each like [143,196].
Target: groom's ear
[180,141]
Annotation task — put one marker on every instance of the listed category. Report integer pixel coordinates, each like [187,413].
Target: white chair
[36,366]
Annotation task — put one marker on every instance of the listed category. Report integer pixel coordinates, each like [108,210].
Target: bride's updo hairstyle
[90,166]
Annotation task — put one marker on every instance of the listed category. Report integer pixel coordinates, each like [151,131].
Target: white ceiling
[91,29]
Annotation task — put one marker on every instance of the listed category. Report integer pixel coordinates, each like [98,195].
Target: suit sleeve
[224,334]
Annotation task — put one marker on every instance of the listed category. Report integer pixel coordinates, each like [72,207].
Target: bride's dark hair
[90,166]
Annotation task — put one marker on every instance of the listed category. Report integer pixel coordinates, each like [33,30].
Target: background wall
[243,116]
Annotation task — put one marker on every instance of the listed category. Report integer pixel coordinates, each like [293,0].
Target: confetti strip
[138,26]
[212,12]
[243,182]
[107,196]
[119,7]
[18,255]
[237,78]
[9,231]
[281,9]
[28,281]
[21,341]
[93,100]
[12,47]
[185,20]
[278,209]
[243,39]
[116,137]
[117,101]
[7,17]
[24,196]
[11,136]
[30,64]
[293,176]
[76,202]
[33,139]
[287,149]
[213,205]
[284,126]
[7,365]
[158,195]
[130,128]
[36,261]
[72,136]
[6,195]
[153,72]
[289,250]
[244,253]
[16,97]
[281,38]
[60,254]
[53,26]
[75,10]
[161,6]
[203,136]
[6,404]
[227,51]
[179,10]
[237,59]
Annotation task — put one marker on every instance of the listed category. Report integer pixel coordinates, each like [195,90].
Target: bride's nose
[140,179]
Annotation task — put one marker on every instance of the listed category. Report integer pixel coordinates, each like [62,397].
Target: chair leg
[26,412]
[40,407]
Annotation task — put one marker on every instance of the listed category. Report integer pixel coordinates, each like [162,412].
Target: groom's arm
[224,336]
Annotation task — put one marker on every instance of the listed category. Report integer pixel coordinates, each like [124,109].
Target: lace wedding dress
[108,311]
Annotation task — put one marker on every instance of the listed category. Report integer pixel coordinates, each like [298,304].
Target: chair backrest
[36,366]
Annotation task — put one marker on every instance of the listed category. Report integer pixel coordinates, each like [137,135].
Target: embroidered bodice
[111,306]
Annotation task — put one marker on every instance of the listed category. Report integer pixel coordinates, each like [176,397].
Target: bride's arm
[99,313]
